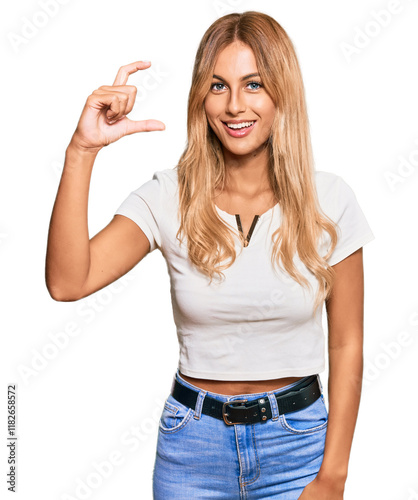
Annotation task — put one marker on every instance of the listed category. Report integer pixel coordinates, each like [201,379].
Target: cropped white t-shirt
[258,323]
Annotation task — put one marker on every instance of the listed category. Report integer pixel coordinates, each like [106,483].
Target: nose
[236,102]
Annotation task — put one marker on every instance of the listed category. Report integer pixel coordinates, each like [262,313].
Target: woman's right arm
[75,265]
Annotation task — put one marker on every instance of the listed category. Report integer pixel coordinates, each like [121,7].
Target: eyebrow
[251,75]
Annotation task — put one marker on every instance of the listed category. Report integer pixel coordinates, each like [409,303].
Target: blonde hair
[201,168]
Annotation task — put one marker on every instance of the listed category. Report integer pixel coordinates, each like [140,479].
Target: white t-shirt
[258,323]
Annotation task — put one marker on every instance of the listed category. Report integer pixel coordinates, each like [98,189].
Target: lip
[239,132]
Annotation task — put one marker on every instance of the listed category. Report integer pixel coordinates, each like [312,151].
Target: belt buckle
[224,413]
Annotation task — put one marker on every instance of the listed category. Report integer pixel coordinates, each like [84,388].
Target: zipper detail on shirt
[250,232]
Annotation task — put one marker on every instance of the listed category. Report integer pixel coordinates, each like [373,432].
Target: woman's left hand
[322,490]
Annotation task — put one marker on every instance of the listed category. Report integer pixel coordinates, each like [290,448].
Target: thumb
[132,127]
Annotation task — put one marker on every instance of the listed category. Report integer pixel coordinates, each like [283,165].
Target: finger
[99,100]
[125,71]
[132,127]
[115,112]
[130,90]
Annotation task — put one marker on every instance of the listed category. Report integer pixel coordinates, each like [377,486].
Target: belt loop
[320,383]
[199,404]
[273,404]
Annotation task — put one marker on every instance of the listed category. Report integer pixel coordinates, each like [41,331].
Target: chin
[244,150]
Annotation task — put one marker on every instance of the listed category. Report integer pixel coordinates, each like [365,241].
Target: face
[237,96]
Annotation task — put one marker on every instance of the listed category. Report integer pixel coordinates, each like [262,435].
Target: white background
[83,402]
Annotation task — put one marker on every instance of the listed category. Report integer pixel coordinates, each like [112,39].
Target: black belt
[295,398]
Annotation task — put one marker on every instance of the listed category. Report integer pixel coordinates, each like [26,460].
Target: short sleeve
[143,206]
[353,229]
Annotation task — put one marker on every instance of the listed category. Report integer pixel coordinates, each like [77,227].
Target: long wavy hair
[201,168]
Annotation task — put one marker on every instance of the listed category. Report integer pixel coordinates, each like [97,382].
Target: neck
[247,174]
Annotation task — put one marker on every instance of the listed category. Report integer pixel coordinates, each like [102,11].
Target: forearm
[344,391]
[68,249]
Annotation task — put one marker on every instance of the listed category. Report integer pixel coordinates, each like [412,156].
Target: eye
[215,85]
[258,85]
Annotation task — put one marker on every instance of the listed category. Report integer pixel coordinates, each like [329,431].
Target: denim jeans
[201,457]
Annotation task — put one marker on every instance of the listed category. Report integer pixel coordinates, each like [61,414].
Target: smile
[240,129]
[239,125]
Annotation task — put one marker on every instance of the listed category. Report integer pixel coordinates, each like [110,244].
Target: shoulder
[167,181]
[167,176]
[338,200]
[162,183]
[334,193]
[326,182]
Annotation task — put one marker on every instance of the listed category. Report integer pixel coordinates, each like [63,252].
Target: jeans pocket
[174,416]
[313,418]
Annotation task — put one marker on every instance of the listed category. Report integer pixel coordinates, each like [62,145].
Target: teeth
[239,125]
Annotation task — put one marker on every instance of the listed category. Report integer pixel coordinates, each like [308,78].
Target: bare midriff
[233,387]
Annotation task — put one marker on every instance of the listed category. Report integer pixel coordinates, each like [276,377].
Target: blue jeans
[200,457]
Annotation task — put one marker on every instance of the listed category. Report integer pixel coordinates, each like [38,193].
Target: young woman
[256,240]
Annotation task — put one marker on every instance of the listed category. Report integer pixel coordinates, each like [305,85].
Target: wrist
[332,477]
[77,148]
[78,158]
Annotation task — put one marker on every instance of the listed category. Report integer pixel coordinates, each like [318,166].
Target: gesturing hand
[103,119]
